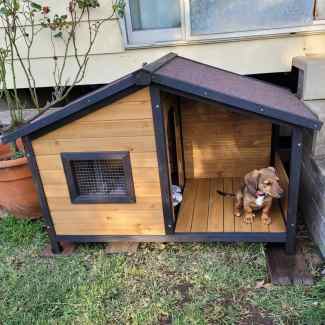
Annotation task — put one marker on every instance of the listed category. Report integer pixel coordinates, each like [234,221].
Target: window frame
[135,37]
[76,198]
[159,37]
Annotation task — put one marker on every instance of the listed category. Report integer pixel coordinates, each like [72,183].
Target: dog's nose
[281,194]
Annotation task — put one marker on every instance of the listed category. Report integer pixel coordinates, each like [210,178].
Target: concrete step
[311,76]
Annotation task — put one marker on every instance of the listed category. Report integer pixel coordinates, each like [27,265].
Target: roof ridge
[157,64]
[143,76]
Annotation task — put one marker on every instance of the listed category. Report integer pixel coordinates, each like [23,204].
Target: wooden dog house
[104,164]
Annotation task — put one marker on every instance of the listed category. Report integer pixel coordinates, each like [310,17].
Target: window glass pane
[320,9]
[222,16]
[154,14]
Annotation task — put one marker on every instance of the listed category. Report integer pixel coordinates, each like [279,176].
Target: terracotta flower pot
[17,191]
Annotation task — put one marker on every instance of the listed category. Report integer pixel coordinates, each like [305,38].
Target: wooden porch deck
[204,210]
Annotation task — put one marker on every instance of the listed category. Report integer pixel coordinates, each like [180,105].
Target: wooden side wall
[219,143]
[126,125]
[284,182]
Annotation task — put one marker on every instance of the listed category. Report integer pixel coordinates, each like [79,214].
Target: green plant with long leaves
[22,22]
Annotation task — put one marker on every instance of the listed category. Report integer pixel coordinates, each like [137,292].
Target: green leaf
[16,5]
[4,11]
[36,6]
[57,35]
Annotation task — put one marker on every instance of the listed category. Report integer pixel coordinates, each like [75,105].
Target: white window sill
[317,28]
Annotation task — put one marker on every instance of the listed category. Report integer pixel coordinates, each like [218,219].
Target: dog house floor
[203,209]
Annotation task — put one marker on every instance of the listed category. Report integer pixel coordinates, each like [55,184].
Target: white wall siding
[110,60]
[245,57]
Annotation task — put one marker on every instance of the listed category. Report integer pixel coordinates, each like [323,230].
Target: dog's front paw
[237,214]
[266,219]
[249,218]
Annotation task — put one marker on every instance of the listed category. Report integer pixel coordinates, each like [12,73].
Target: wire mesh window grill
[100,177]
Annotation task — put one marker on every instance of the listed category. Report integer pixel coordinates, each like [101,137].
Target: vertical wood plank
[201,209]
[185,215]
[274,142]
[258,225]
[229,218]
[277,224]
[179,147]
[240,225]
[284,182]
[215,218]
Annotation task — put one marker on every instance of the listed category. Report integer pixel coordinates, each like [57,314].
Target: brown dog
[259,189]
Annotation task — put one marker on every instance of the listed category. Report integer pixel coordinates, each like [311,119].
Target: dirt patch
[3,213]
[184,289]
[165,320]
[255,317]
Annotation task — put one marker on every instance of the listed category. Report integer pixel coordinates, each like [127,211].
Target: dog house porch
[204,210]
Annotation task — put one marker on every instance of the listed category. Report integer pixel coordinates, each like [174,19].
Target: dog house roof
[187,77]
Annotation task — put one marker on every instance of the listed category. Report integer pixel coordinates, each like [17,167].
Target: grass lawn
[160,284]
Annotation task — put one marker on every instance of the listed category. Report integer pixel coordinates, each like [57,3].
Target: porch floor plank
[201,207]
[204,210]
[215,218]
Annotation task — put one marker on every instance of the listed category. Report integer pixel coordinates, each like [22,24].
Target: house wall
[110,59]
[219,143]
[125,125]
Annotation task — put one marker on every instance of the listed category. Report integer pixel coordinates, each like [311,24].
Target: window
[99,177]
[156,21]
[320,9]
[151,20]
[224,16]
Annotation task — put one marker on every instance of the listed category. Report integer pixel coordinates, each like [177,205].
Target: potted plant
[22,21]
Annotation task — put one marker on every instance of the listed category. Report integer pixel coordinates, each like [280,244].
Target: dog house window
[99,177]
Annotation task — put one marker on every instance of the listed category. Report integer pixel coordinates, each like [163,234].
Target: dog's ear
[251,180]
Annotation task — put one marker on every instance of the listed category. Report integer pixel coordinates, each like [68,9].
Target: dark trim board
[293,191]
[162,156]
[183,237]
[236,102]
[56,247]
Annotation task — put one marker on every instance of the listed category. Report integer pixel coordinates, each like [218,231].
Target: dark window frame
[76,198]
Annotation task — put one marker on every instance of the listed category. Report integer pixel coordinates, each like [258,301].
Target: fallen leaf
[259,284]
[262,284]
[267,285]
